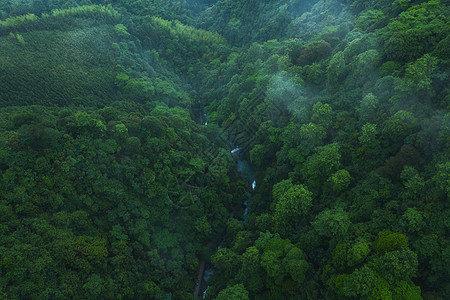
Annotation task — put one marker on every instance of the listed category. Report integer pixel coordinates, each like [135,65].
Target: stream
[245,170]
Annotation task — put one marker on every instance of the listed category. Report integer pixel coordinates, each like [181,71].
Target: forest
[225,149]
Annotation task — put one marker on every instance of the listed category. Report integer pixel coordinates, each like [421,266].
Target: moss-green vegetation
[112,186]
[58,67]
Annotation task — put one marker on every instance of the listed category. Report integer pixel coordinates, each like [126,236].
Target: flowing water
[246,171]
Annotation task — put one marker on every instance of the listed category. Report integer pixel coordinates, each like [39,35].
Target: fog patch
[323,14]
[285,95]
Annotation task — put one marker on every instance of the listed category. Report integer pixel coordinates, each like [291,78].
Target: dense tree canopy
[118,178]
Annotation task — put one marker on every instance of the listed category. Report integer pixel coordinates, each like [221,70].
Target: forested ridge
[125,126]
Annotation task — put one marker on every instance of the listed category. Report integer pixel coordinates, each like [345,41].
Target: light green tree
[237,292]
[358,253]
[332,223]
[296,265]
[387,240]
[368,107]
[121,30]
[294,203]
[340,180]
[319,166]
[251,272]
[360,283]
[322,114]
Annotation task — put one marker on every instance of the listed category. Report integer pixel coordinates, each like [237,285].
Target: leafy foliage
[117,119]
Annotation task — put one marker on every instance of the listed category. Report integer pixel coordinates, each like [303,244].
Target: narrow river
[245,170]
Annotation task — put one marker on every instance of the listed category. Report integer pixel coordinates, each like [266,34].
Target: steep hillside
[58,67]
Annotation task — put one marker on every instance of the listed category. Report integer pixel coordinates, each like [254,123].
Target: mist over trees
[121,124]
